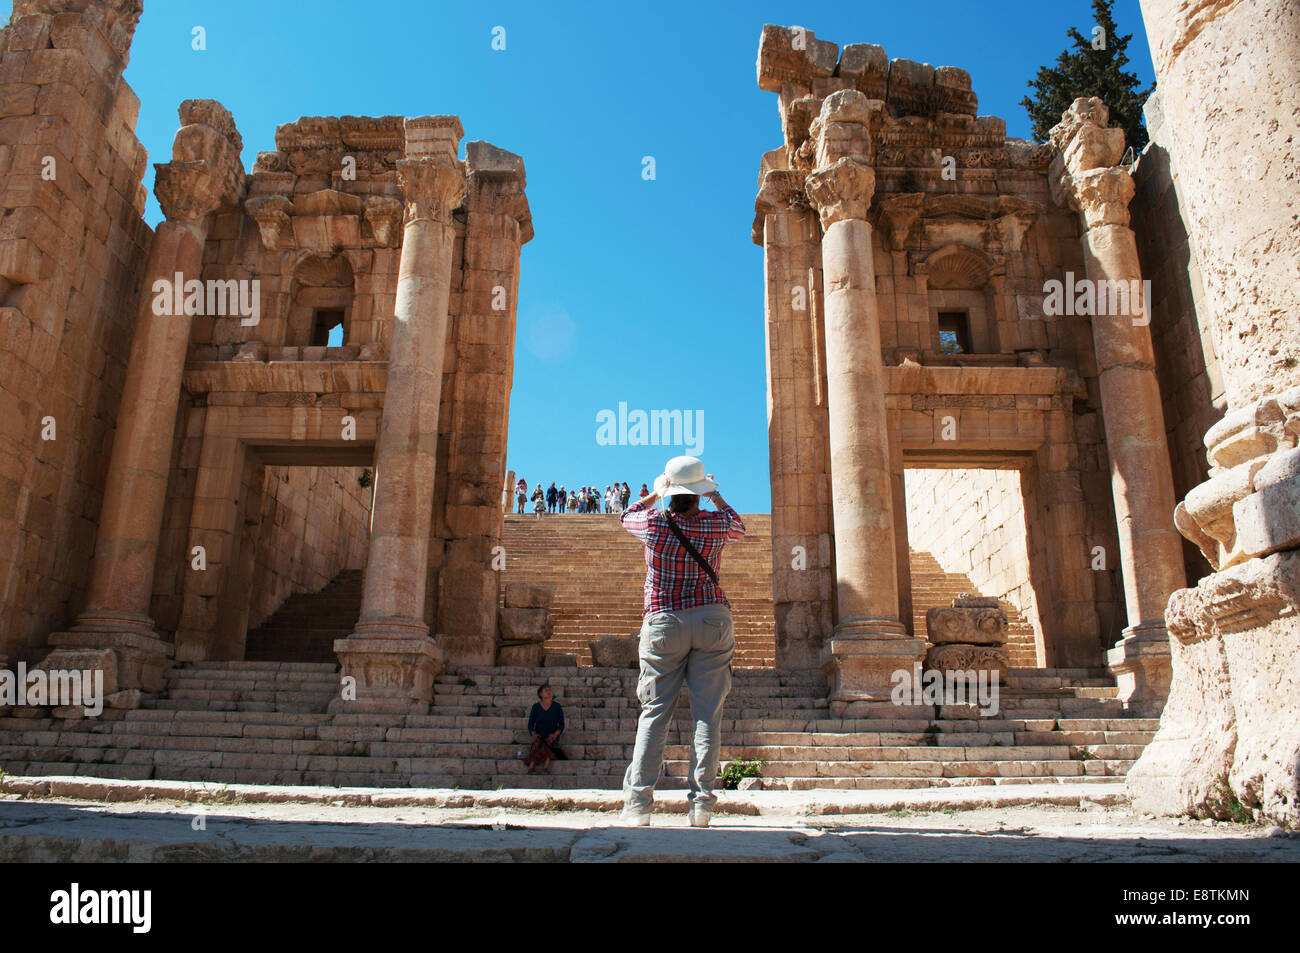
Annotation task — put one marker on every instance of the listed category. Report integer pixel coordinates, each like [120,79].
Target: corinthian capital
[841,191]
[1101,195]
[188,191]
[432,187]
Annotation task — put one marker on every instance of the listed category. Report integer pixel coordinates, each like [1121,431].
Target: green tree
[1095,67]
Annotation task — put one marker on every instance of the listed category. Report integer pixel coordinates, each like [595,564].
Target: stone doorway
[966,530]
[276,518]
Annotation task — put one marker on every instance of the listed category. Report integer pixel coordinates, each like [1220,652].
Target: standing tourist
[686,632]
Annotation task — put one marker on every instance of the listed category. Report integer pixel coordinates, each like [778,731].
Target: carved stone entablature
[793,56]
[319,145]
[384,216]
[271,212]
[841,191]
[995,224]
[1250,505]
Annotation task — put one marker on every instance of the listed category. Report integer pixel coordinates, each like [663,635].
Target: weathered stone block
[525,654]
[615,651]
[525,625]
[525,595]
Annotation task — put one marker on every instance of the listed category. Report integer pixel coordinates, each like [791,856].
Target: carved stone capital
[1100,195]
[384,215]
[271,212]
[187,191]
[841,191]
[432,187]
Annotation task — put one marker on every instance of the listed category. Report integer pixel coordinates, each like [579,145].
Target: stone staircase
[305,626]
[598,569]
[266,723]
[933,587]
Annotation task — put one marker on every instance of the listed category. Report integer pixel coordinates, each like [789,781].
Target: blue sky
[648,292]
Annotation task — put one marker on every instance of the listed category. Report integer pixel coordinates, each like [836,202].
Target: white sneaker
[630,818]
[700,815]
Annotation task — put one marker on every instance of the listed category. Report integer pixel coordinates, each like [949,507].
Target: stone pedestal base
[1230,731]
[863,672]
[132,661]
[1140,663]
[391,674]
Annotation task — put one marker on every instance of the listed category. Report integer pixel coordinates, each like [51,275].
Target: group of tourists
[687,636]
[588,499]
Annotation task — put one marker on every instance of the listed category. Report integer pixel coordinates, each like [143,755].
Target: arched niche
[961,303]
[321,295]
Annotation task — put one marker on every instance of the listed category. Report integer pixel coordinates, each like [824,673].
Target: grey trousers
[696,645]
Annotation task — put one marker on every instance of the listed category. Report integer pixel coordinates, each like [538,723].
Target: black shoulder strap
[681,538]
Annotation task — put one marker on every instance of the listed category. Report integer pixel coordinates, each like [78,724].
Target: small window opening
[954,332]
[327,329]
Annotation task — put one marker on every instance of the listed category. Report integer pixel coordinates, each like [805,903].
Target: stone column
[869,643]
[1151,558]
[390,653]
[115,632]
[1229,77]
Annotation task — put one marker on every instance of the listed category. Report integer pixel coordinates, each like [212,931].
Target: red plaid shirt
[673,579]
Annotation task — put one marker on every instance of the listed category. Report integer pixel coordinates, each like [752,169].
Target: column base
[393,674]
[1140,662]
[133,658]
[863,668]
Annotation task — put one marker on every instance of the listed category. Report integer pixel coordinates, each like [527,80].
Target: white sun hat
[684,475]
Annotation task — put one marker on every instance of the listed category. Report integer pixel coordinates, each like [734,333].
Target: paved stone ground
[157,821]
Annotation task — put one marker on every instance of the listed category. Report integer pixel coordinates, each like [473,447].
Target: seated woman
[545,725]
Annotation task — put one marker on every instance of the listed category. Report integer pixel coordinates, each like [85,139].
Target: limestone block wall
[313,523]
[72,249]
[1187,363]
[973,522]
